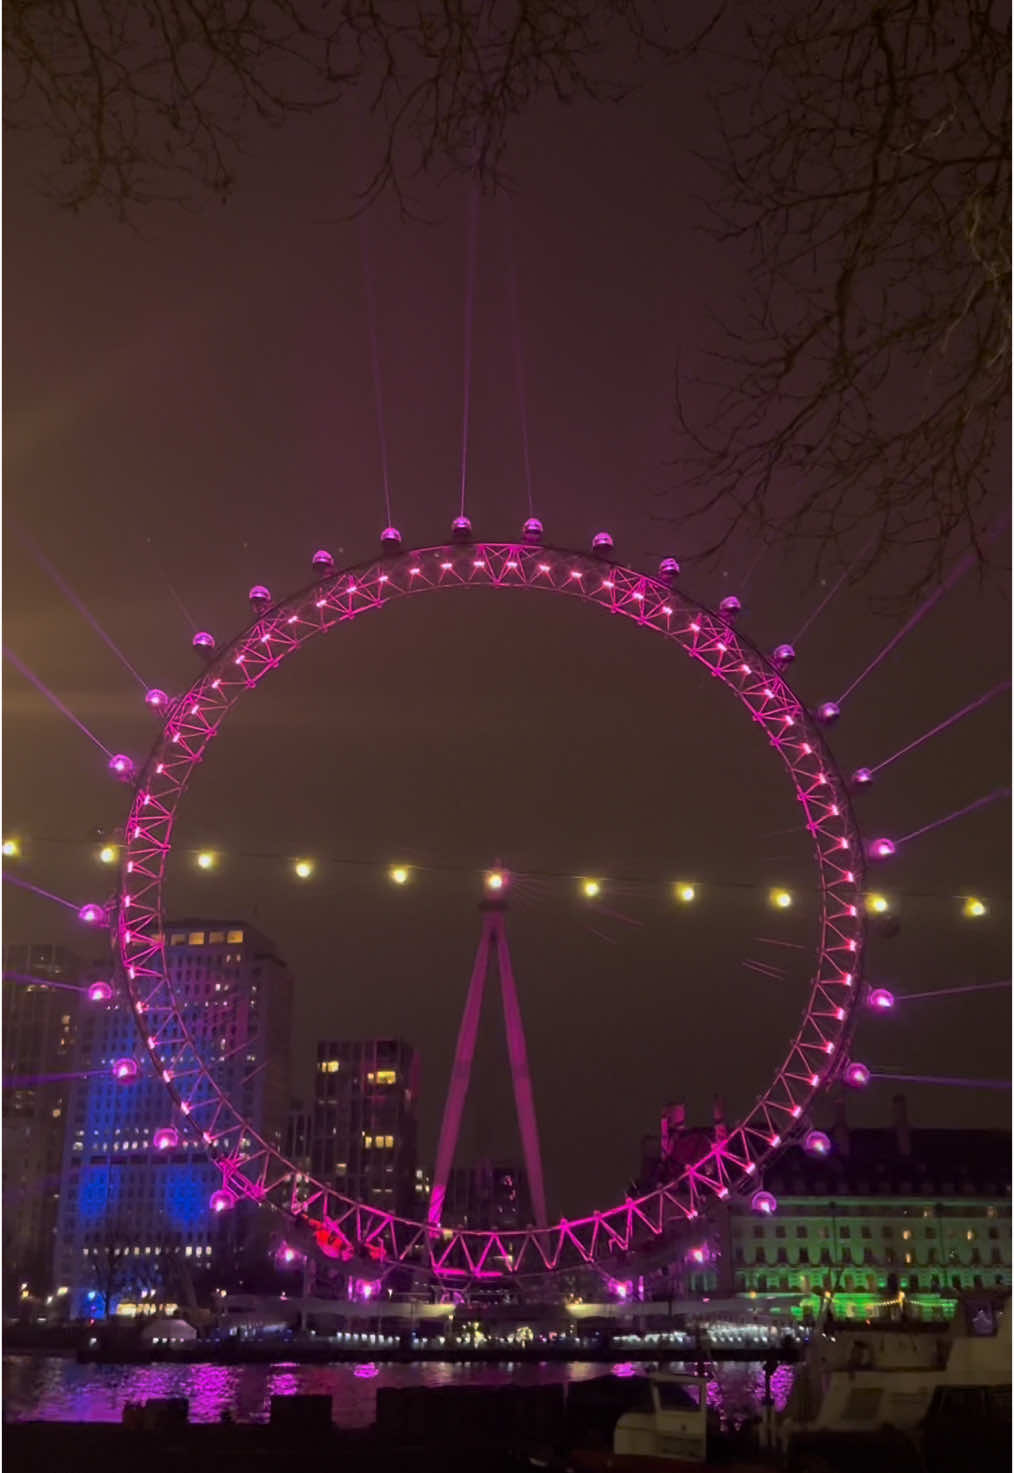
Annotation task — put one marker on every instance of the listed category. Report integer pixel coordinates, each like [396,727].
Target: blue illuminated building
[126,1208]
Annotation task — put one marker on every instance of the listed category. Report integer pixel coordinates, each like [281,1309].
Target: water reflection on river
[58,1389]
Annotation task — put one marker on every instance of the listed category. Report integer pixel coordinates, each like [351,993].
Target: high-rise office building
[363,1140]
[40,1008]
[489,1197]
[298,1135]
[128,1208]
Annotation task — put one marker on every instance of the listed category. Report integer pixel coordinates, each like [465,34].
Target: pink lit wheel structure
[254,1168]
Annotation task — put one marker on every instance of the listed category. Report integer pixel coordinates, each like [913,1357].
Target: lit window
[215,938]
[57,1113]
[386,1076]
[371,1078]
[178,938]
[196,938]
[389,1142]
[368,1142]
[234,938]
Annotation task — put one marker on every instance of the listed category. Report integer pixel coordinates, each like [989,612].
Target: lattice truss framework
[255,1168]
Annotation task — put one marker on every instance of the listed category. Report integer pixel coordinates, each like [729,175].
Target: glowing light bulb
[166,1139]
[108,854]
[881,999]
[125,1070]
[686,893]
[856,1075]
[99,992]
[973,908]
[781,899]
[591,889]
[156,699]
[882,849]
[91,914]
[764,1202]
[817,1144]
[304,868]
[12,848]
[399,874]
[206,859]
[221,1201]
[877,905]
[496,880]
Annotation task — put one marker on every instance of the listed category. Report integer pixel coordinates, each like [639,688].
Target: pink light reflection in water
[61,1390]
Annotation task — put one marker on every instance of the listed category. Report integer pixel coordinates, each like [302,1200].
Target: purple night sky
[190,411]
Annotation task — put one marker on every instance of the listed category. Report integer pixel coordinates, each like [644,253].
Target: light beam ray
[10,879]
[28,981]
[77,602]
[378,396]
[519,366]
[920,613]
[470,262]
[773,974]
[951,991]
[829,596]
[943,1079]
[958,813]
[53,700]
[942,726]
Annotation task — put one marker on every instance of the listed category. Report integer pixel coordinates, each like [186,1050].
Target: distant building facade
[299,1135]
[128,1210]
[40,1011]
[489,1197]
[365,1121]
[893,1218]
[896,1216]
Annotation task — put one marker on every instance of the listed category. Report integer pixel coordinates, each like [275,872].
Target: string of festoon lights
[684,892]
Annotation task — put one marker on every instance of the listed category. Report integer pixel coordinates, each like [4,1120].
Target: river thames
[58,1388]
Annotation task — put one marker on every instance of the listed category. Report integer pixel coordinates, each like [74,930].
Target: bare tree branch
[865,162]
[140,100]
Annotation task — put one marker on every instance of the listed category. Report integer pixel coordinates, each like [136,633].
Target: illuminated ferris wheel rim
[255,1168]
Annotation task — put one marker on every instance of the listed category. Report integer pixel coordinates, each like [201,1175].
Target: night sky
[189,411]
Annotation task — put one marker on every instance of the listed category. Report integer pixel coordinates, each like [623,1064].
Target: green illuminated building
[899,1219]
